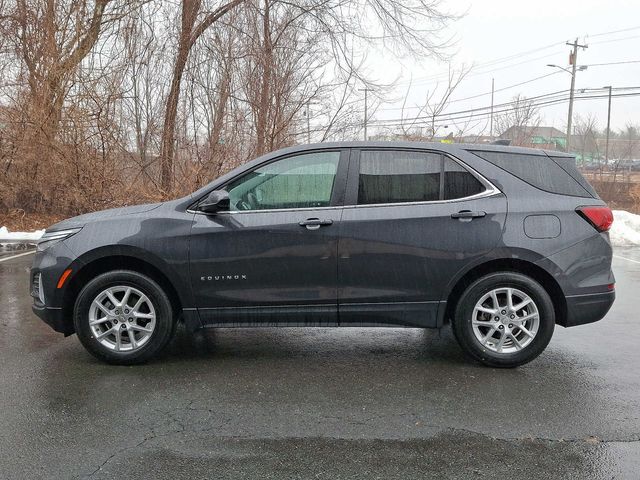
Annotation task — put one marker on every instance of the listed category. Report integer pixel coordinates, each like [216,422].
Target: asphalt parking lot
[320,403]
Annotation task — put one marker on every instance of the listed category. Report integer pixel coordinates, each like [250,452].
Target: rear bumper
[54,318]
[582,309]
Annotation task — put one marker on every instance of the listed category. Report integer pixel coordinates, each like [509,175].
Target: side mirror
[216,201]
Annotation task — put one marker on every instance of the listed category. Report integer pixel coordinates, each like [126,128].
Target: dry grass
[19,221]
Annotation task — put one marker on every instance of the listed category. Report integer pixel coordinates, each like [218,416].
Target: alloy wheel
[505,320]
[122,318]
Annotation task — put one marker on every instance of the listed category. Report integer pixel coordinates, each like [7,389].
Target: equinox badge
[217,278]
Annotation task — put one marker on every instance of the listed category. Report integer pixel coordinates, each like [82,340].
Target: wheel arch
[515,265]
[96,263]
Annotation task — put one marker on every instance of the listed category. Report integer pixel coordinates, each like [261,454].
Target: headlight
[50,238]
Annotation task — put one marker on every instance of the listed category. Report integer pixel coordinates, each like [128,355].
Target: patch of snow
[19,237]
[625,231]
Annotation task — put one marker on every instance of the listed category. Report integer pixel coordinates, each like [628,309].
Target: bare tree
[409,26]
[437,100]
[190,31]
[519,122]
[122,97]
[585,132]
[50,39]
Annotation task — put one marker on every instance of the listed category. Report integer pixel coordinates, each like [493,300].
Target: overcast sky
[495,29]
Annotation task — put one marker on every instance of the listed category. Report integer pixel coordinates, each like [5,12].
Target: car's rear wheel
[504,319]
[123,317]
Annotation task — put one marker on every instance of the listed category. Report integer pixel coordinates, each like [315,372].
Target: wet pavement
[320,403]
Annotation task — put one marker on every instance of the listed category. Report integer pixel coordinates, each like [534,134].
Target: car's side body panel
[375,265]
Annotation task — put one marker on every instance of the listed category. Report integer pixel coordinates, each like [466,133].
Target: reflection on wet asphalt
[326,403]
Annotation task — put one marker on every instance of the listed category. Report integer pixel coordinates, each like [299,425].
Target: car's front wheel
[504,319]
[123,317]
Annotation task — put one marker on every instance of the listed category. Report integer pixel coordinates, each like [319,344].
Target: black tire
[462,321]
[164,322]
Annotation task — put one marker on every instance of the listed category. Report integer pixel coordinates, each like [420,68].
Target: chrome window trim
[491,190]
[485,194]
[305,209]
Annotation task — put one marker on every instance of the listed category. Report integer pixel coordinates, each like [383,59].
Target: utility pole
[606,148]
[573,60]
[492,92]
[366,105]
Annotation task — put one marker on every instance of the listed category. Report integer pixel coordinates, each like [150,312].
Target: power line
[473,73]
[614,31]
[537,97]
[480,94]
[612,63]
[615,40]
[489,63]
[478,114]
[508,87]
[483,116]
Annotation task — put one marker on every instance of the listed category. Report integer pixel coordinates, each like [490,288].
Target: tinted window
[458,182]
[397,176]
[568,164]
[537,170]
[303,181]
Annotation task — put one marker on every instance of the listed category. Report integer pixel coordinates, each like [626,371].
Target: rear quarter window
[568,164]
[538,170]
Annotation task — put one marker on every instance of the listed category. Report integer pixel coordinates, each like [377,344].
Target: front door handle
[468,215]
[315,223]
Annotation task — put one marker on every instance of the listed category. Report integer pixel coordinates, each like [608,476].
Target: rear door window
[459,182]
[397,176]
[389,176]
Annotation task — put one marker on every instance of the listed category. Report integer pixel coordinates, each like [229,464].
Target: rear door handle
[468,214]
[315,223]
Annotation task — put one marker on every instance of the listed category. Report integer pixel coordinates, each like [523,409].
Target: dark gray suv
[504,243]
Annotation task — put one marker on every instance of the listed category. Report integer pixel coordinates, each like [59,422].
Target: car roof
[445,147]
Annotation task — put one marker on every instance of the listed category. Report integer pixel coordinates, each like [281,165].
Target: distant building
[549,138]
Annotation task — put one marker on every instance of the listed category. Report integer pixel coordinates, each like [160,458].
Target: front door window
[302,181]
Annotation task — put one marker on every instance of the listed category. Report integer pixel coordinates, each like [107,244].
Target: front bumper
[48,300]
[582,309]
[54,317]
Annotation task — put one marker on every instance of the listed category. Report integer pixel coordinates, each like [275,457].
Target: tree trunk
[262,118]
[189,13]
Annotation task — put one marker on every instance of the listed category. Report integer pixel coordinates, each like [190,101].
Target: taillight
[600,217]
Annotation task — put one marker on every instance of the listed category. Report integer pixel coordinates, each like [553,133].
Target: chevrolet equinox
[501,242]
